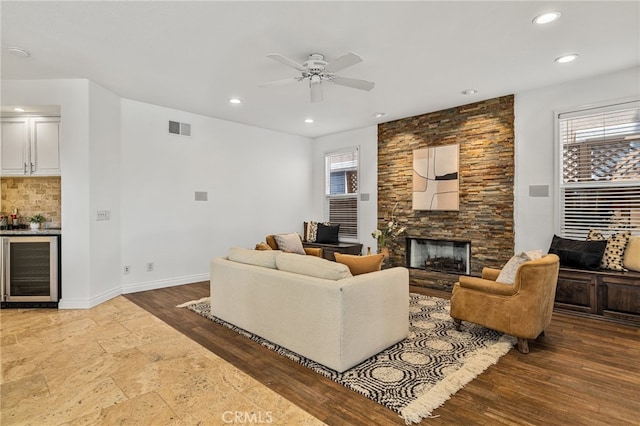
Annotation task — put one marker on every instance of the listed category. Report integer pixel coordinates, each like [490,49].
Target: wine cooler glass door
[30,265]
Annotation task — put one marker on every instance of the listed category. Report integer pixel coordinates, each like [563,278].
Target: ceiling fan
[318,71]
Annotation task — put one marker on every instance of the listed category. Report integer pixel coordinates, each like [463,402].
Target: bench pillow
[312,266]
[264,258]
[631,259]
[327,234]
[578,254]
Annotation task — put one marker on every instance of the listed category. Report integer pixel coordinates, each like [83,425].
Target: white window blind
[341,190]
[600,176]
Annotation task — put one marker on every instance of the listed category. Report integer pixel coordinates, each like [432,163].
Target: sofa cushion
[264,258]
[614,252]
[312,266]
[327,234]
[508,273]
[631,259]
[578,254]
[290,243]
[361,264]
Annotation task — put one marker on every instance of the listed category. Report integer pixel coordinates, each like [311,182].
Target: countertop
[28,231]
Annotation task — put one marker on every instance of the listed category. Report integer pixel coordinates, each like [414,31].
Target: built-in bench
[601,293]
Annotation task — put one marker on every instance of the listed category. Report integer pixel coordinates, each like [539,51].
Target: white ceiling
[193,56]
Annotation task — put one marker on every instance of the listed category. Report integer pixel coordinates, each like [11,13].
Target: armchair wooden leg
[457,323]
[523,345]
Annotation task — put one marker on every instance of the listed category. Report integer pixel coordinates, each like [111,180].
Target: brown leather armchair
[522,310]
[312,251]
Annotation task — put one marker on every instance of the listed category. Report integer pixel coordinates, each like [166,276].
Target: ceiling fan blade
[352,82]
[286,61]
[343,62]
[316,92]
[279,82]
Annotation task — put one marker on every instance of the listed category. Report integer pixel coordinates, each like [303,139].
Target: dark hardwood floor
[581,372]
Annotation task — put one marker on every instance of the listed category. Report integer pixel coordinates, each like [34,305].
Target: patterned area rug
[417,375]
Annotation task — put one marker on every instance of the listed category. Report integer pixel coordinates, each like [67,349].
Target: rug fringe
[193,302]
[438,394]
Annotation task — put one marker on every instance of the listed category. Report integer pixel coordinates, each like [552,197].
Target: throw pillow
[614,252]
[311,231]
[312,266]
[508,273]
[327,234]
[361,264]
[578,254]
[263,246]
[290,243]
[266,259]
[631,259]
[534,254]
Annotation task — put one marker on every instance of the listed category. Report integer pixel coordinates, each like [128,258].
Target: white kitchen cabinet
[30,146]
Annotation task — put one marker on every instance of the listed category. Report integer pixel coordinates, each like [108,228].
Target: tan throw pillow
[614,252]
[289,243]
[631,259]
[361,264]
[508,273]
[263,246]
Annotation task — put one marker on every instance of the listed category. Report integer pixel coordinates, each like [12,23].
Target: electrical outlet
[149,266]
[127,269]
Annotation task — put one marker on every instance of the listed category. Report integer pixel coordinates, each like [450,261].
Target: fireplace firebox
[453,257]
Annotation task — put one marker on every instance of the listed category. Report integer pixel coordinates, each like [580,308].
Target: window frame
[561,186]
[348,195]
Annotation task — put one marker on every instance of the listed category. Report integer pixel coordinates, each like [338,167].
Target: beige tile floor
[118,364]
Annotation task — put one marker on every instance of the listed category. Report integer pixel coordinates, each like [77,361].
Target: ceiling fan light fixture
[235,101]
[566,58]
[547,17]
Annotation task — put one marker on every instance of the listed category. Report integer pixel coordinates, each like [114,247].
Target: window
[600,170]
[341,191]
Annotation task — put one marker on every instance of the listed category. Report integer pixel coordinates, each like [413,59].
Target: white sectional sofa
[310,305]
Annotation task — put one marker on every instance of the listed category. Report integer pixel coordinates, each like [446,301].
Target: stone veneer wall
[485,133]
[32,195]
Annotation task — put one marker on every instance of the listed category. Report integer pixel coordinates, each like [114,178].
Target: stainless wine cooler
[30,274]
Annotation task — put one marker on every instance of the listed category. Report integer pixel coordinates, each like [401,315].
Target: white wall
[104,162]
[535,147]
[258,182]
[367,139]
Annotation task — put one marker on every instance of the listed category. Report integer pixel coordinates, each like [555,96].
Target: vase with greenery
[36,220]
[392,230]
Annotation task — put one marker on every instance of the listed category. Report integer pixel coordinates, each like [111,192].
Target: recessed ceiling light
[18,109]
[18,51]
[308,120]
[235,101]
[547,17]
[379,114]
[566,58]
[469,92]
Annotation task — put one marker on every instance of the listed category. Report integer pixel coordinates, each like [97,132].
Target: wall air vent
[177,128]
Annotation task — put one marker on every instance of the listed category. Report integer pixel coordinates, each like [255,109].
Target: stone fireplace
[484,132]
[446,256]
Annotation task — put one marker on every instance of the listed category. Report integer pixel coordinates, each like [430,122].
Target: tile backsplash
[32,195]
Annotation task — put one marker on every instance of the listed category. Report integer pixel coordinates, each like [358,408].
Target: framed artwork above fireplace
[435,178]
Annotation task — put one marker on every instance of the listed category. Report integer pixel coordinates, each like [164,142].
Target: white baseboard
[153,285]
[129,288]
